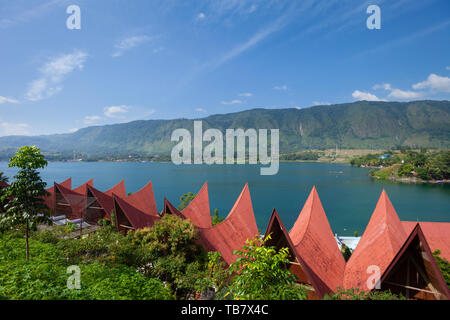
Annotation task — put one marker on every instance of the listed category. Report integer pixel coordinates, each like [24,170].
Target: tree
[215,218]
[3,178]
[26,207]
[185,200]
[262,272]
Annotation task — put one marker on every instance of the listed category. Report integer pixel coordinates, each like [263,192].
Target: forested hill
[351,125]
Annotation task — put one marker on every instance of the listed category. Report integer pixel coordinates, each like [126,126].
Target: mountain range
[357,125]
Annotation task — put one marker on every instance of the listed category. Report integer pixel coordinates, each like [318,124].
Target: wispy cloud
[280,88]
[53,74]
[200,110]
[321,103]
[129,43]
[245,94]
[235,101]
[91,119]
[9,129]
[117,112]
[8,100]
[398,93]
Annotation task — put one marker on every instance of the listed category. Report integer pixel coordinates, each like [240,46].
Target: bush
[356,294]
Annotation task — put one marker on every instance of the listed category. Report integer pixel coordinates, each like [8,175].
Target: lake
[348,194]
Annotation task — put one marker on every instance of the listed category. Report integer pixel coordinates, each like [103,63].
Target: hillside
[373,125]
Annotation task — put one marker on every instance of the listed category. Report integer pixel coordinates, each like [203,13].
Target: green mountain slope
[352,125]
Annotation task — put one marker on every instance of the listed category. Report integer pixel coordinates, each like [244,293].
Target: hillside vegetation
[358,125]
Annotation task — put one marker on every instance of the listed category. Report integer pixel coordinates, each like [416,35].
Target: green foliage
[217,276]
[25,206]
[173,254]
[444,266]
[356,294]
[215,219]
[261,273]
[3,178]
[346,252]
[185,200]
[304,156]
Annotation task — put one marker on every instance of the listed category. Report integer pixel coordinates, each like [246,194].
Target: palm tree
[3,178]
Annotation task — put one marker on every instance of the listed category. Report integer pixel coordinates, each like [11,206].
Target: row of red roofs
[313,248]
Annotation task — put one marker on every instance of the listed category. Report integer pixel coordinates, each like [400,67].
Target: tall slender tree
[25,206]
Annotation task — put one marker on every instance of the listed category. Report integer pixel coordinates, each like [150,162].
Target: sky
[171,59]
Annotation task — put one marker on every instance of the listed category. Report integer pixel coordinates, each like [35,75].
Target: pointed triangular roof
[144,200]
[436,233]
[77,201]
[279,238]
[118,189]
[380,242]
[48,200]
[83,188]
[428,278]
[315,243]
[137,218]
[169,208]
[104,200]
[198,209]
[231,234]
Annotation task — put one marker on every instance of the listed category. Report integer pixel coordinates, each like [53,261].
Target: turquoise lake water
[348,194]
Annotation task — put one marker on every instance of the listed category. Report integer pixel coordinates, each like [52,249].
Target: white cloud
[53,73]
[385,86]
[435,83]
[245,94]
[8,100]
[73,130]
[321,103]
[9,129]
[282,88]
[359,95]
[235,101]
[447,68]
[200,16]
[200,110]
[116,112]
[91,119]
[129,43]
[401,94]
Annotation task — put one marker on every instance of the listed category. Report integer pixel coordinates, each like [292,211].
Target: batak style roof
[48,200]
[77,201]
[137,218]
[83,188]
[279,238]
[3,184]
[417,250]
[144,200]
[198,210]
[104,200]
[437,235]
[313,240]
[231,233]
[118,189]
[381,241]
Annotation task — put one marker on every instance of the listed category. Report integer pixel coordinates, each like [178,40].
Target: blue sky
[169,59]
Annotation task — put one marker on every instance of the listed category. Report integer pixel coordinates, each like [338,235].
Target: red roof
[231,234]
[379,244]
[416,248]
[77,201]
[118,189]
[83,188]
[137,218]
[437,235]
[279,238]
[104,200]
[3,184]
[315,243]
[198,209]
[48,200]
[144,200]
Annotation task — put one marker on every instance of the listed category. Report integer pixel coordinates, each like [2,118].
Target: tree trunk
[26,240]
